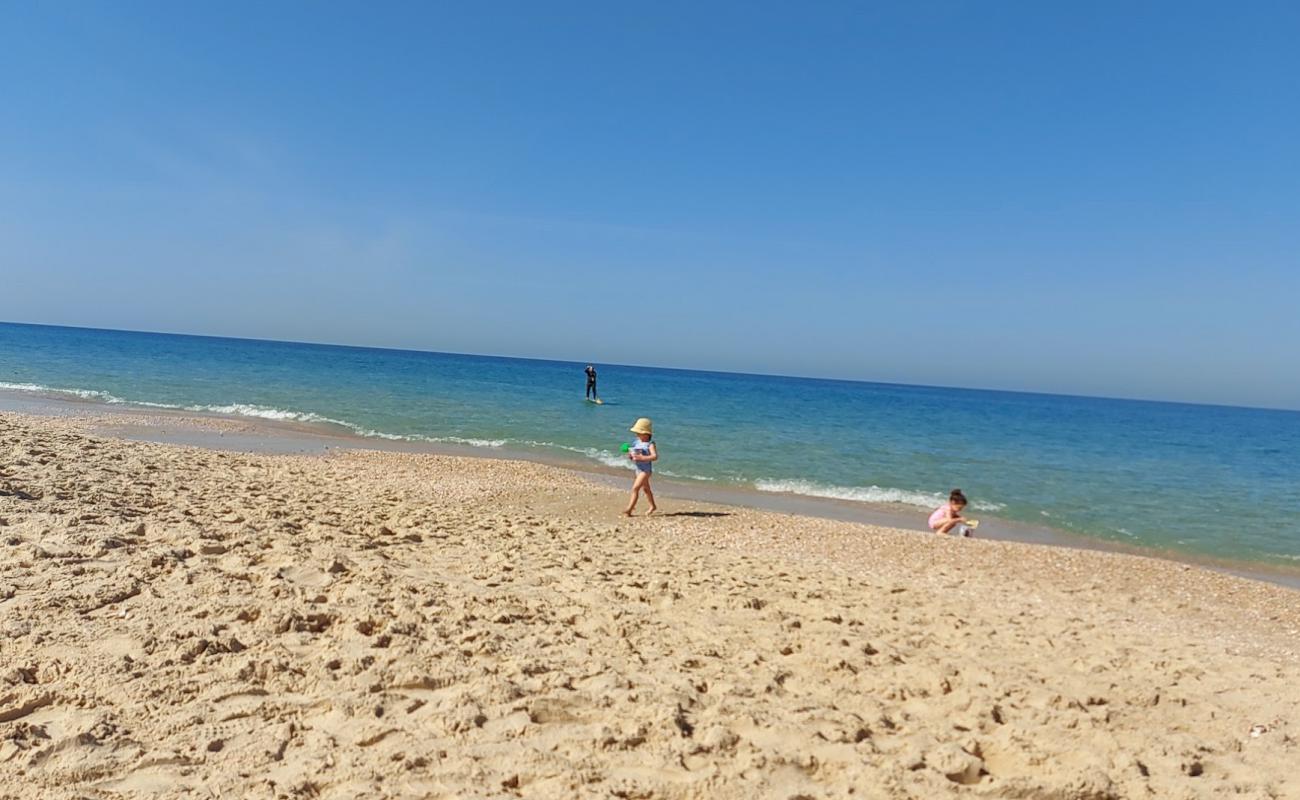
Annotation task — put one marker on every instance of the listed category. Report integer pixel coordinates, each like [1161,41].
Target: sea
[1210,482]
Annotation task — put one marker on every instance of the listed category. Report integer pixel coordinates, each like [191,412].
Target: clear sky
[1096,198]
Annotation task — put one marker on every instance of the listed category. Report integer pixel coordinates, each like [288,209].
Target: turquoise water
[1207,480]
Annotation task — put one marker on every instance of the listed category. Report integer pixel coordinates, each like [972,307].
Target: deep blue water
[1209,480]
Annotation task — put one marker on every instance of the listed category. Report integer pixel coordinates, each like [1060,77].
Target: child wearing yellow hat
[643,454]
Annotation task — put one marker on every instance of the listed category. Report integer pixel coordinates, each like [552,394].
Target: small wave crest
[472,442]
[279,414]
[612,458]
[607,457]
[667,473]
[249,410]
[267,412]
[369,434]
[84,394]
[865,494]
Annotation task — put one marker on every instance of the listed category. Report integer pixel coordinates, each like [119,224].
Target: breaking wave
[84,394]
[866,494]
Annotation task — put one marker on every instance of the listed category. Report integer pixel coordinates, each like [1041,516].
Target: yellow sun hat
[643,425]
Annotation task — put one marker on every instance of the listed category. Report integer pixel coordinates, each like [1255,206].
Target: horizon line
[986,389]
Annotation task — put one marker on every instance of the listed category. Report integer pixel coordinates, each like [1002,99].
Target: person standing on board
[591,383]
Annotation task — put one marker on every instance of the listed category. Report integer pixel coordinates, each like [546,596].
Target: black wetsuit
[591,383]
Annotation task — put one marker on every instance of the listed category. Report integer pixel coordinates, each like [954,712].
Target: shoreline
[182,620]
[244,434]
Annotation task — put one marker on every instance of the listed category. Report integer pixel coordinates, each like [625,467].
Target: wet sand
[183,621]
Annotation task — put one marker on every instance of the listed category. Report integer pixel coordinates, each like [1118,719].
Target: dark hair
[955,496]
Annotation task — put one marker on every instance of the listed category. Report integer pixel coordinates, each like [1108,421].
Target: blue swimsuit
[642,449]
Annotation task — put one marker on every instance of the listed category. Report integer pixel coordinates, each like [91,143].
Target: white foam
[470,441]
[26,387]
[613,458]
[279,414]
[366,432]
[670,474]
[865,494]
[266,412]
[606,457]
[85,394]
[415,437]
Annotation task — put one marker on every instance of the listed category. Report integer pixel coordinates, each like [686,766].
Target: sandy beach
[184,622]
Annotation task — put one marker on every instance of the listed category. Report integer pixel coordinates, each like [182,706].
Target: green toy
[625,448]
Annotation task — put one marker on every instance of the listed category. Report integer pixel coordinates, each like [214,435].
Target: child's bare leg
[637,484]
[650,495]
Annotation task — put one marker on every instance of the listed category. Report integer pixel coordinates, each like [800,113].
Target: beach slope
[179,622]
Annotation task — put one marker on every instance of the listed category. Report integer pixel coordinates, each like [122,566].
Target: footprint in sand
[305,576]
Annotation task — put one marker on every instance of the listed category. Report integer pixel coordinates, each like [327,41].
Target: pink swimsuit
[940,516]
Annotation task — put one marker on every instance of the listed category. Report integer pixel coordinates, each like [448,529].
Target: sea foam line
[265,412]
[279,414]
[251,410]
[866,494]
[606,457]
[85,394]
[609,458]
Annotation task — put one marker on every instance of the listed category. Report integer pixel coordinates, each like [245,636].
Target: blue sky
[1095,198]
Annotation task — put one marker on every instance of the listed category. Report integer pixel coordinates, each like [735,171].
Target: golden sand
[180,622]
